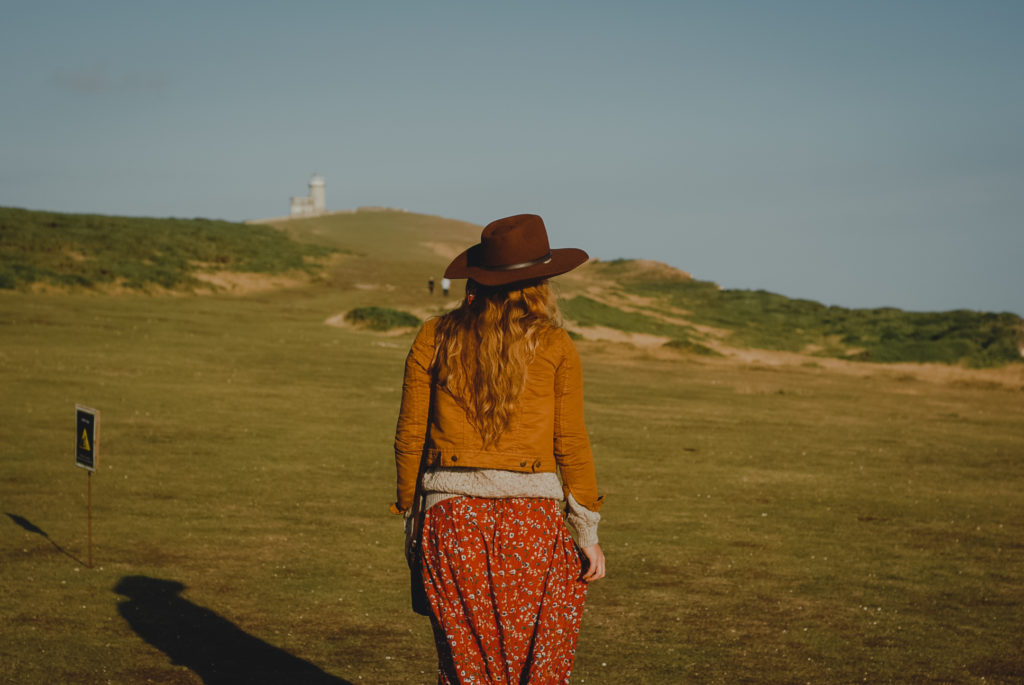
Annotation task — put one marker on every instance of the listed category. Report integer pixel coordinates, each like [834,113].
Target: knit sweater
[441,483]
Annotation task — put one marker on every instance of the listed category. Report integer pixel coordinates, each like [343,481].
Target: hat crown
[512,241]
[514,250]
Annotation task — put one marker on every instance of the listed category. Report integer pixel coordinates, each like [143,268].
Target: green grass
[764,526]
[587,311]
[87,250]
[381,318]
[766,320]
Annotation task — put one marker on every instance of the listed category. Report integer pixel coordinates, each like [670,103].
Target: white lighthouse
[316,203]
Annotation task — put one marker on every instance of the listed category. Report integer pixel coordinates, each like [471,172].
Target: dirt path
[236,283]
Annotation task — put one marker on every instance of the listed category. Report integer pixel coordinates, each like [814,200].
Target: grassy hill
[89,250]
[706,315]
[384,258]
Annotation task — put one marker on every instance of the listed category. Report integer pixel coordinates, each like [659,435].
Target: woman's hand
[596,558]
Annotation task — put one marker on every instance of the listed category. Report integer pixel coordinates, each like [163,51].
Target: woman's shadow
[217,650]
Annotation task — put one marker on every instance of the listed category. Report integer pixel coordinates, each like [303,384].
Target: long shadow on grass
[217,650]
[33,528]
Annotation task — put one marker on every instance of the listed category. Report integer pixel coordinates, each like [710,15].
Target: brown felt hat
[511,250]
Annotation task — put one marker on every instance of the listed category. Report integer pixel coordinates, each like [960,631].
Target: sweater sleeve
[584,521]
[571,444]
[413,415]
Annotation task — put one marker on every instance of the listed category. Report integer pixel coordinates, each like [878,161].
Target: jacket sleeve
[413,415]
[572,445]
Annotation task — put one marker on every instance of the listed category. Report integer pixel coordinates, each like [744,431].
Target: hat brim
[562,260]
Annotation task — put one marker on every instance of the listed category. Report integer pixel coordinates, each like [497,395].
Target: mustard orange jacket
[547,433]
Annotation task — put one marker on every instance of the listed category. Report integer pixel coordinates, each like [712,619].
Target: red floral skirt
[502,577]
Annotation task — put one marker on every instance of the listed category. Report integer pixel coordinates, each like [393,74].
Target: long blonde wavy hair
[483,348]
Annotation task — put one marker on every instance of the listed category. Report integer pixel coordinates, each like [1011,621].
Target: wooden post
[90,518]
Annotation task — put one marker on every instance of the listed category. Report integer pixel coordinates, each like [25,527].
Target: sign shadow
[214,648]
[33,528]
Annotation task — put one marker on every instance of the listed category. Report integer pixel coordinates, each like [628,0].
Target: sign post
[87,451]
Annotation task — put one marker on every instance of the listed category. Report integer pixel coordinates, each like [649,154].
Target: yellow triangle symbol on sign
[85,440]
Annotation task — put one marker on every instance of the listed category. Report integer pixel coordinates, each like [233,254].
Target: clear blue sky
[861,153]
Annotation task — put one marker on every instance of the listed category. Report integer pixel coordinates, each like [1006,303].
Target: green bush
[685,345]
[8,279]
[381,318]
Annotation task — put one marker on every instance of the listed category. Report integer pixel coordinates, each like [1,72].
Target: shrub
[381,318]
[8,280]
[684,345]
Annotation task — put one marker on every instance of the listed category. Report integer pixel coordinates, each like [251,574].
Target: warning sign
[87,430]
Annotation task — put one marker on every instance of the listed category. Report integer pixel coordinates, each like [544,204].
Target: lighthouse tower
[313,205]
[316,194]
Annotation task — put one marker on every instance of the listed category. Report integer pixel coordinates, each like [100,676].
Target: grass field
[763,524]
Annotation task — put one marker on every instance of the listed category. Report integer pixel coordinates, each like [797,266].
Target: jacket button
[536,464]
[522,463]
[455,458]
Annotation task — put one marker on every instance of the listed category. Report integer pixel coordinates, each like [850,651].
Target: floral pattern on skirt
[502,577]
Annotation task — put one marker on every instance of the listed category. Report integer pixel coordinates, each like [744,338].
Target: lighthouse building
[313,205]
